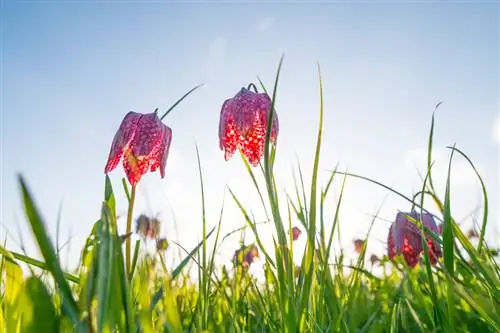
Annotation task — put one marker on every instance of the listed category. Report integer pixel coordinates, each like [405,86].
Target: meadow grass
[113,291]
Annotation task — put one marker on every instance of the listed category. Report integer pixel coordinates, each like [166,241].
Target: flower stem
[129,228]
[254,87]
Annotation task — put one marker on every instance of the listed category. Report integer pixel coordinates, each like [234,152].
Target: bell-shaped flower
[405,238]
[143,141]
[374,259]
[296,232]
[147,227]
[358,245]
[243,125]
[161,244]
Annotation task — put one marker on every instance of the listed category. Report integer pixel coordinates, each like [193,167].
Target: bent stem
[251,85]
[129,228]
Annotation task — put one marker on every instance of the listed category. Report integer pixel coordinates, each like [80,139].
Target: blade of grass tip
[254,180]
[306,288]
[485,196]
[186,260]
[217,234]
[323,196]
[34,262]
[58,225]
[434,294]
[429,147]
[69,305]
[252,226]
[105,270]
[299,208]
[383,186]
[204,241]
[135,257]
[303,188]
[125,188]
[180,100]
[335,222]
[268,167]
[448,242]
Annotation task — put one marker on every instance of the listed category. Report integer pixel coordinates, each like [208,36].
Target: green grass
[112,291]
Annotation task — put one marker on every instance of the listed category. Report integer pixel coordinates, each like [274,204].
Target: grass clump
[136,291]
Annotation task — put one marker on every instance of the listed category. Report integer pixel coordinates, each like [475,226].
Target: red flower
[296,233]
[144,142]
[243,125]
[405,238]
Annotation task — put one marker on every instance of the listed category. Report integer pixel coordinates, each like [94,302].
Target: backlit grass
[112,292]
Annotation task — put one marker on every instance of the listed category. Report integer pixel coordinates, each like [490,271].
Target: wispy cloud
[265,24]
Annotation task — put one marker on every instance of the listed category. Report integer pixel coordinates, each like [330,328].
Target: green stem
[129,228]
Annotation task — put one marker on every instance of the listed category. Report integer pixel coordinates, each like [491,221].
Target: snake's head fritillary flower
[296,232]
[246,255]
[243,125]
[143,141]
[434,249]
[161,244]
[147,227]
[252,254]
[374,259]
[405,238]
[472,234]
[358,245]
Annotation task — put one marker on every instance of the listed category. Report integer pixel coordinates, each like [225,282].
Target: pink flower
[243,125]
[405,238]
[143,141]
[296,232]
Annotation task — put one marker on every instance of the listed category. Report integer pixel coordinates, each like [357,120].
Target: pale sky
[72,70]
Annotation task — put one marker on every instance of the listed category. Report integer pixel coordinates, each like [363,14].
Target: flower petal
[133,167]
[122,139]
[228,134]
[148,135]
[164,149]
[224,114]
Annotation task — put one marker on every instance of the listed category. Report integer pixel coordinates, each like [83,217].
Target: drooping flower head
[147,227]
[358,245]
[243,125]
[472,234]
[405,238]
[143,141]
[246,255]
[296,232]
[161,244]
[374,259]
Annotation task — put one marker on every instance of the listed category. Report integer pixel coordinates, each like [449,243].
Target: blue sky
[72,70]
